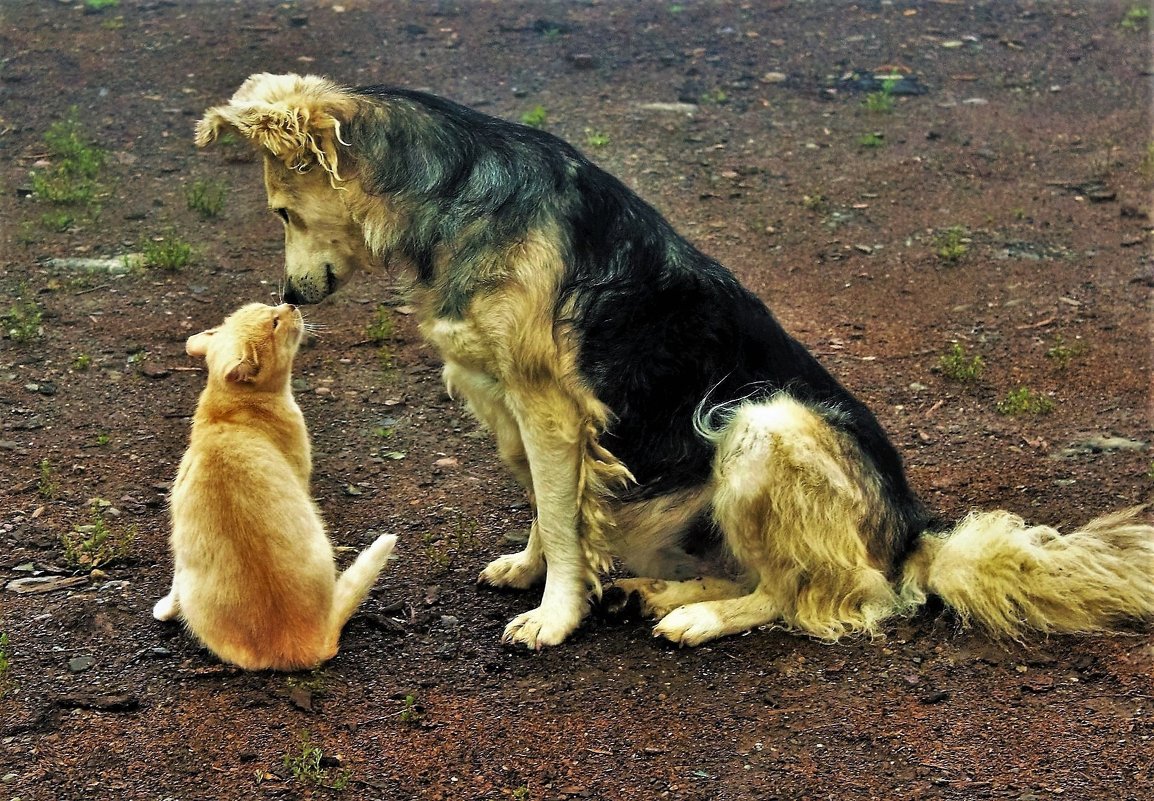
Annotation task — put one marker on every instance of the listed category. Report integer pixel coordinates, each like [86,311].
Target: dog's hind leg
[651,536]
[657,597]
[793,497]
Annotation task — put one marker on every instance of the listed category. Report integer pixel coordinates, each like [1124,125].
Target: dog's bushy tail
[354,584]
[1010,578]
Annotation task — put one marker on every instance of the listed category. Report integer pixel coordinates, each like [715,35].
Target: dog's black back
[662,327]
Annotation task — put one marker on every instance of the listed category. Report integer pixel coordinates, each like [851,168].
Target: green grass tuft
[22,321]
[308,765]
[5,664]
[957,365]
[1135,19]
[169,253]
[206,198]
[1024,400]
[380,328]
[76,163]
[952,244]
[535,117]
[97,544]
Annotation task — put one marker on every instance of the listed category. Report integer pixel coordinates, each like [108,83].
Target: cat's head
[253,347]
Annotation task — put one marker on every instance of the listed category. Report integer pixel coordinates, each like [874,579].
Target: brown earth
[1031,134]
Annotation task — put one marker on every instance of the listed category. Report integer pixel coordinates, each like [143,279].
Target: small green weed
[58,221]
[97,544]
[46,486]
[1135,19]
[82,362]
[535,117]
[521,793]
[386,359]
[1061,353]
[1147,165]
[316,683]
[714,96]
[23,319]
[100,5]
[1024,400]
[816,203]
[71,179]
[380,328]
[169,253]
[136,359]
[952,244]
[206,198]
[871,140]
[102,440]
[311,766]
[411,711]
[438,556]
[384,432]
[5,664]
[441,550]
[882,101]
[596,139]
[957,365]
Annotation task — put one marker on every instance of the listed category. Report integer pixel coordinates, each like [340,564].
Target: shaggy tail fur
[1010,578]
[354,584]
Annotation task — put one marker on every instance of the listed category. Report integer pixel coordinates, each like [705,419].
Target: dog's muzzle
[306,290]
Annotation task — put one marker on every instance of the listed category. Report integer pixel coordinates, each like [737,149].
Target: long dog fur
[651,406]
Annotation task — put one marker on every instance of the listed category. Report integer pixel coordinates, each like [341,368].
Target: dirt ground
[997,197]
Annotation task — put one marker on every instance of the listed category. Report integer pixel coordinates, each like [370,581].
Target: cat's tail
[354,584]
[1008,577]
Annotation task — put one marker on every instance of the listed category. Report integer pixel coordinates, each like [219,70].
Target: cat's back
[237,477]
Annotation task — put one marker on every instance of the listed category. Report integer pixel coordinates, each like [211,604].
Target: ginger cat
[254,578]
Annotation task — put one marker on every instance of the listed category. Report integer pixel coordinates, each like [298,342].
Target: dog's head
[296,122]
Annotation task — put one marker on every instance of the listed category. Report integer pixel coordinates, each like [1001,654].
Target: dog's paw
[166,608]
[690,625]
[539,628]
[518,571]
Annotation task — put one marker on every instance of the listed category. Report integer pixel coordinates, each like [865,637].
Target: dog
[651,406]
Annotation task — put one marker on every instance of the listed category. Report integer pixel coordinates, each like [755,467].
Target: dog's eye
[282,213]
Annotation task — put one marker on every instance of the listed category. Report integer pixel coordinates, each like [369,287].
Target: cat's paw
[167,607]
[541,627]
[518,571]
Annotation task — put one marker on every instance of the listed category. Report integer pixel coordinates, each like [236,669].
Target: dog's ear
[197,344]
[297,119]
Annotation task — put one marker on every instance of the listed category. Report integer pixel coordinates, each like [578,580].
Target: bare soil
[1031,134]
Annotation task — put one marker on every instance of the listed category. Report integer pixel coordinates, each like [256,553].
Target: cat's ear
[197,344]
[243,370]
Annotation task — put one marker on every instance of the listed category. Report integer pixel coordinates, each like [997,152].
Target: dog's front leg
[551,438]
